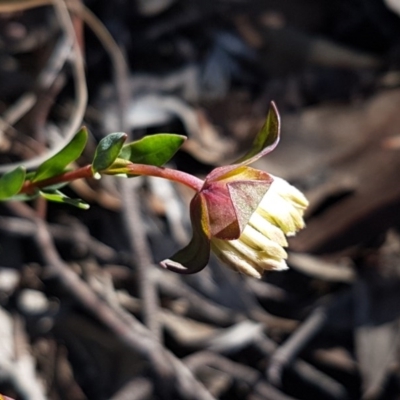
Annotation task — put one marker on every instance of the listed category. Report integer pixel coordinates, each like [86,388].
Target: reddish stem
[29,187]
[171,174]
[86,172]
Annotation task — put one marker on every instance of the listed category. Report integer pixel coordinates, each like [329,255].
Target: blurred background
[85,310]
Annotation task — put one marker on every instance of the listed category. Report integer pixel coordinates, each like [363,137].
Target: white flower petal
[228,254]
[276,265]
[258,259]
[290,193]
[281,214]
[283,206]
[268,229]
[259,242]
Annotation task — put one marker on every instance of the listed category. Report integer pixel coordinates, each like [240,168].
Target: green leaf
[153,150]
[23,197]
[11,183]
[59,197]
[266,140]
[30,175]
[108,150]
[56,186]
[57,164]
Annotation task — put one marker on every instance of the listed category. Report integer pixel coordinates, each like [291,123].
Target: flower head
[243,214]
[261,245]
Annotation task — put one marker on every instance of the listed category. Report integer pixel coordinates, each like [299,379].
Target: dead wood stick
[171,373]
[78,235]
[306,371]
[237,371]
[78,71]
[140,250]
[16,111]
[16,362]
[172,285]
[320,269]
[130,201]
[296,342]
[138,388]
[44,81]
[247,303]
[131,216]
[235,338]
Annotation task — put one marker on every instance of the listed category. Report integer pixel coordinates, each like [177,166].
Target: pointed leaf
[56,186]
[59,197]
[11,183]
[266,140]
[194,257]
[24,197]
[57,164]
[29,175]
[108,150]
[153,150]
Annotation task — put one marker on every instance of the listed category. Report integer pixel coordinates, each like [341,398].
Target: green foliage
[58,197]
[153,150]
[59,162]
[107,151]
[111,157]
[11,183]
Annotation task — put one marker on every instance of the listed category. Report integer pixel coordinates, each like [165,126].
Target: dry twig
[171,373]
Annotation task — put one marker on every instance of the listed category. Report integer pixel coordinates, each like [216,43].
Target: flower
[243,214]
[261,245]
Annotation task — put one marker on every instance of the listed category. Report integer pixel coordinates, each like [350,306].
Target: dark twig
[140,249]
[17,365]
[171,285]
[171,373]
[79,81]
[45,80]
[320,269]
[131,210]
[306,371]
[78,236]
[136,389]
[299,339]
[130,201]
[238,372]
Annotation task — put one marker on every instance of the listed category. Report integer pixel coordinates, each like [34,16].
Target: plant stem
[171,174]
[29,187]
[85,172]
